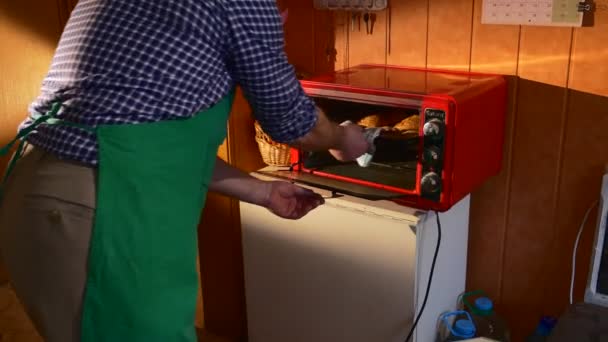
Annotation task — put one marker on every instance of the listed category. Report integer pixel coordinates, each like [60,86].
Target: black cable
[428,285]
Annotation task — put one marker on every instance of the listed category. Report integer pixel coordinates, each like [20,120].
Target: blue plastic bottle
[463,328]
[543,329]
[488,323]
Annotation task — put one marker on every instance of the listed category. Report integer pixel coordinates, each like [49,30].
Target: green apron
[152,182]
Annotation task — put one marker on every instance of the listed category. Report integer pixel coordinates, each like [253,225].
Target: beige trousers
[46,218]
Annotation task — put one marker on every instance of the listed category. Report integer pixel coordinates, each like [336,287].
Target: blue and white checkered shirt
[136,61]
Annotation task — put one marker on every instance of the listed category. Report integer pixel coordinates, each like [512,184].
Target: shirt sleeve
[259,65]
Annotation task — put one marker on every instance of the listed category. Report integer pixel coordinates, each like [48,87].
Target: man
[99,214]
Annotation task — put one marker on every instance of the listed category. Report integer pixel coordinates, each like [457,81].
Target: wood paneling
[368,48]
[299,35]
[490,202]
[449,21]
[543,69]
[494,48]
[324,57]
[341,27]
[407,33]
[589,70]
[531,200]
[544,54]
[583,156]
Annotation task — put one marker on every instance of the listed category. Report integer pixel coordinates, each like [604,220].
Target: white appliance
[596,291]
[351,270]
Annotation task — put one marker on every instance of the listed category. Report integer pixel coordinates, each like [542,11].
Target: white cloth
[370,135]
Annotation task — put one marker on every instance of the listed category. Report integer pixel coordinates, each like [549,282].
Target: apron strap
[49,118]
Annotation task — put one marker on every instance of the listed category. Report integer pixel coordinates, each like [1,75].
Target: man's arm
[232,182]
[259,65]
[284,199]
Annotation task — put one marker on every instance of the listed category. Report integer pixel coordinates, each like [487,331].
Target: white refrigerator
[351,270]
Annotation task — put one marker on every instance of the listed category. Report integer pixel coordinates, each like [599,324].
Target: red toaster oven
[441,134]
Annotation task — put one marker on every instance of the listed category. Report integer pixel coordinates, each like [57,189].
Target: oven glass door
[394,169]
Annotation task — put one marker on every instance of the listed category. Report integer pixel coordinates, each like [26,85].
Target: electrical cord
[428,285]
[578,236]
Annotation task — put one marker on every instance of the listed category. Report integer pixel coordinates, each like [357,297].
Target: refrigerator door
[345,272]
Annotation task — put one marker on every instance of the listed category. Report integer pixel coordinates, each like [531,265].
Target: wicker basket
[273,153]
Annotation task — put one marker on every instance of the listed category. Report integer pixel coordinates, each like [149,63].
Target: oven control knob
[431,155]
[430,183]
[433,128]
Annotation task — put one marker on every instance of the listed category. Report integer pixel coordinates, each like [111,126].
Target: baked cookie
[370,121]
[387,119]
[411,123]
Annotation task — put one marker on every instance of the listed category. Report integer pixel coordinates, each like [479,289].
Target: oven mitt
[370,135]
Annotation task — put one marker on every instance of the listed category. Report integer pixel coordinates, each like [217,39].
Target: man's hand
[345,142]
[281,198]
[287,200]
[352,143]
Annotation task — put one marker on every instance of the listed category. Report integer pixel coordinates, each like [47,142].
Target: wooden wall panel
[407,33]
[341,25]
[299,34]
[543,68]
[531,200]
[449,34]
[542,59]
[489,205]
[583,158]
[324,57]
[535,170]
[364,47]
[502,57]
[589,70]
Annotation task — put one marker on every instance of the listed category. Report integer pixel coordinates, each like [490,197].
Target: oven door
[394,170]
[335,186]
[394,166]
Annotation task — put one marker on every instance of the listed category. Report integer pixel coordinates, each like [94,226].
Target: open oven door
[392,172]
[335,186]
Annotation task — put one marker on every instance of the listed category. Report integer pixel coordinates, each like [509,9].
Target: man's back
[134,61]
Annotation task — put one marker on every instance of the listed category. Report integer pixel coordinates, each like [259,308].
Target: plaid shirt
[136,61]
